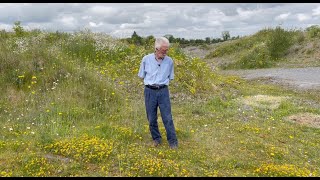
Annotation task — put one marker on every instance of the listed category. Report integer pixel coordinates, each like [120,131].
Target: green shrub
[313,31]
[278,42]
[3,34]
[299,37]
[18,29]
[191,74]
[257,57]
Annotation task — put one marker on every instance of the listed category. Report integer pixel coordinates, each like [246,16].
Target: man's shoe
[156,143]
[173,146]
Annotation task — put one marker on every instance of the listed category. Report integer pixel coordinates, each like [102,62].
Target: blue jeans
[153,99]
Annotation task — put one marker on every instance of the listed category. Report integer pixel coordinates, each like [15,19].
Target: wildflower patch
[85,148]
[284,170]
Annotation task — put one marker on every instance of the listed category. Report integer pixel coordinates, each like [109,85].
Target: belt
[156,87]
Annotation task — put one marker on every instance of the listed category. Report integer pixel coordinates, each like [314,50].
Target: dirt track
[299,78]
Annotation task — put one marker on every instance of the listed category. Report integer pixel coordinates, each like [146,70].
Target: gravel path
[300,78]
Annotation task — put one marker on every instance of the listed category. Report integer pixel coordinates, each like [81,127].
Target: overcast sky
[184,20]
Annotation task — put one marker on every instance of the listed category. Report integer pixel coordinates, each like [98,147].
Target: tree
[150,39]
[136,39]
[208,40]
[18,29]
[134,34]
[279,41]
[225,35]
[170,38]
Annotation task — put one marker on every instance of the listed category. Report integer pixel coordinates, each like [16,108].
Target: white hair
[161,41]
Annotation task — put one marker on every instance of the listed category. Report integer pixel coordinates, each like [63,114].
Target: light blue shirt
[154,73]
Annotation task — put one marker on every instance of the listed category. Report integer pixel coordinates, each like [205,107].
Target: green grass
[72,105]
[263,49]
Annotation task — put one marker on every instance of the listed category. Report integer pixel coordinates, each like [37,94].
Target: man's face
[162,51]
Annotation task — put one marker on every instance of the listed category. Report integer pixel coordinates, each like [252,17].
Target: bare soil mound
[308,119]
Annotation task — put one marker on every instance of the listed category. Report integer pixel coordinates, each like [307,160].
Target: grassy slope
[73,106]
[257,50]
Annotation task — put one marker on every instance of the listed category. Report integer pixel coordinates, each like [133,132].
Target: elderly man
[157,71]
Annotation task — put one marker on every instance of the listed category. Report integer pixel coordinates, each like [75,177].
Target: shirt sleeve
[171,76]
[142,71]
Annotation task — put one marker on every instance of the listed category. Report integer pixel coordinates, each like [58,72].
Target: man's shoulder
[148,56]
[169,58]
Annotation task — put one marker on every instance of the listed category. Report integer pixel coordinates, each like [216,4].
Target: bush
[257,57]
[278,42]
[191,74]
[3,34]
[313,31]
[299,37]
[18,29]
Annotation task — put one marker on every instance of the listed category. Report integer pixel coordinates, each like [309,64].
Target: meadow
[72,105]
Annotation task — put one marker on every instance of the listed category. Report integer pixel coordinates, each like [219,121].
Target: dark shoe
[156,143]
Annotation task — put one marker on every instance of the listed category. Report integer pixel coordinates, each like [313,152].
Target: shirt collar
[160,59]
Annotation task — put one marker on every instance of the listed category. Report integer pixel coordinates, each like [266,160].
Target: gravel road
[299,78]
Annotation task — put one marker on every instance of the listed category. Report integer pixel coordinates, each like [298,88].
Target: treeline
[139,40]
